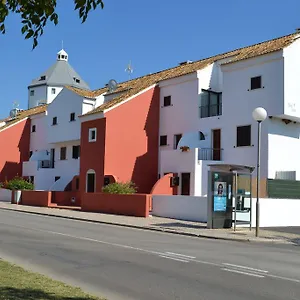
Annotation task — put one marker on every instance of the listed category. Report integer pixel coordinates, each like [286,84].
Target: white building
[211,109]
[55,134]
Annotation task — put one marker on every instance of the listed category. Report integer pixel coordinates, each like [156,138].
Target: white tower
[44,89]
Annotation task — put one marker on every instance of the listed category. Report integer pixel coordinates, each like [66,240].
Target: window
[255,82]
[32,93]
[211,104]
[63,153]
[43,78]
[201,136]
[56,178]
[54,121]
[177,138]
[76,152]
[33,128]
[76,80]
[167,101]
[92,134]
[53,91]
[72,117]
[163,140]
[243,136]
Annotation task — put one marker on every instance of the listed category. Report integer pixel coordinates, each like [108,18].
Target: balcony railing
[210,110]
[209,154]
[44,164]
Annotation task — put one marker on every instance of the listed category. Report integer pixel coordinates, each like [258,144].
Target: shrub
[120,188]
[18,183]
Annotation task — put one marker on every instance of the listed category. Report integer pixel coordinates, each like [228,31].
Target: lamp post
[259,115]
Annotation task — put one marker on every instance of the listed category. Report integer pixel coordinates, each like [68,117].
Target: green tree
[36,13]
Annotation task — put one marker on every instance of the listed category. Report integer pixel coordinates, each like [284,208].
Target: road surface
[129,264]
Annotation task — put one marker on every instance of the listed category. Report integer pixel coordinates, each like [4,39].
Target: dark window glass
[243,136]
[255,82]
[76,152]
[33,128]
[177,138]
[54,121]
[163,140]
[167,101]
[63,153]
[72,117]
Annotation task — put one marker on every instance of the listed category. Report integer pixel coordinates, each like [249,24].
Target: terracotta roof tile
[135,86]
[24,114]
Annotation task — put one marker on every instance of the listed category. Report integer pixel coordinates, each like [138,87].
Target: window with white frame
[53,91]
[92,134]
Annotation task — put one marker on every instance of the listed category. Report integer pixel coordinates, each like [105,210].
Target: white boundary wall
[5,195]
[273,212]
[277,212]
[186,208]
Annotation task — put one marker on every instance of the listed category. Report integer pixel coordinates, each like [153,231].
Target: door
[216,144]
[52,156]
[90,185]
[185,184]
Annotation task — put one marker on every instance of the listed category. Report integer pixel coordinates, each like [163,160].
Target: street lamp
[259,115]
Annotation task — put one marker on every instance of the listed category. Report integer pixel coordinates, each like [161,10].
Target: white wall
[291,80]
[40,94]
[284,147]
[50,96]
[38,139]
[64,104]
[186,208]
[5,195]
[276,212]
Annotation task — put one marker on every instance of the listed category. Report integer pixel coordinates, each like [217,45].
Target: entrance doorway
[216,144]
[90,181]
[185,183]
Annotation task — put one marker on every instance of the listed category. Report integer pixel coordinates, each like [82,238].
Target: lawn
[18,284]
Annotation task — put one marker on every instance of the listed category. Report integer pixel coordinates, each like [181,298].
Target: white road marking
[284,278]
[177,259]
[181,255]
[158,253]
[246,268]
[244,273]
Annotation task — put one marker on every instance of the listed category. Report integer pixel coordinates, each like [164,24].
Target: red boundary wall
[130,205]
[36,198]
[65,198]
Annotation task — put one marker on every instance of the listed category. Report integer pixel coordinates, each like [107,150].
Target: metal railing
[210,154]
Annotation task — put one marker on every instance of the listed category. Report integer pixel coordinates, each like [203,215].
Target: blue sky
[154,35]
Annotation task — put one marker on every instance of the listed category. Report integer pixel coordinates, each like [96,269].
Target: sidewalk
[187,228]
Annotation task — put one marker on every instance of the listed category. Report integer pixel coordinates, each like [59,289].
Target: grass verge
[19,284]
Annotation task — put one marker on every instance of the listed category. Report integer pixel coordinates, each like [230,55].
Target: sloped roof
[60,74]
[23,115]
[135,86]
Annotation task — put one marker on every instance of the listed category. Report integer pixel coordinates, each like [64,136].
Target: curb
[140,227]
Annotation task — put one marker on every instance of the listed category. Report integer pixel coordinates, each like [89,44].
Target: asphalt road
[121,263]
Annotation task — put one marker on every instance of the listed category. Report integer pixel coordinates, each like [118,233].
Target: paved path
[129,264]
[163,224]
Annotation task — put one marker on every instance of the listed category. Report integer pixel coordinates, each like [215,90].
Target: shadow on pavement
[181,225]
[9,293]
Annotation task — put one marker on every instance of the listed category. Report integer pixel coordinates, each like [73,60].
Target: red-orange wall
[36,198]
[131,145]
[14,149]
[130,205]
[92,154]
[163,186]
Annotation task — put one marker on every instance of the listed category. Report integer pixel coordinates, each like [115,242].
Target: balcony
[210,110]
[44,164]
[210,154]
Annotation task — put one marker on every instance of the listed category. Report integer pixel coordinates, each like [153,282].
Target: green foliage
[120,188]
[35,14]
[17,183]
